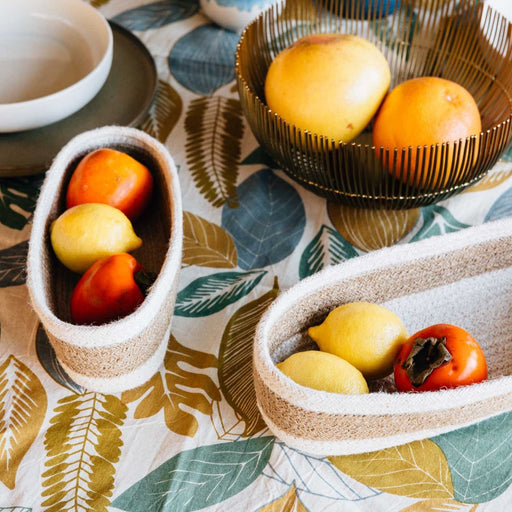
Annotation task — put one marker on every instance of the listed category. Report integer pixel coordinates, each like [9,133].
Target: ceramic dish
[440,38]
[54,56]
[234,14]
[123,100]
[125,353]
[462,278]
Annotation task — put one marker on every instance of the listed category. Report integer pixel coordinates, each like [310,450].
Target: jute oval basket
[463,278]
[125,353]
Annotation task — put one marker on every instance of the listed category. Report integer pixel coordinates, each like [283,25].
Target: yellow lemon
[366,335]
[87,232]
[325,372]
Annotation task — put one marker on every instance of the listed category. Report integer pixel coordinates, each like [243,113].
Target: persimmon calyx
[144,280]
[426,355]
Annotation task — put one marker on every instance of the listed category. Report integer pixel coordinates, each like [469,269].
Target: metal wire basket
[459,40]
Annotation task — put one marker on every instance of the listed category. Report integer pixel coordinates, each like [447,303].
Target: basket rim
[109,334]
[333,142]
[375,403]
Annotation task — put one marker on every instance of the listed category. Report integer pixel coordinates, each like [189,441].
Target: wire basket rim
[333,142]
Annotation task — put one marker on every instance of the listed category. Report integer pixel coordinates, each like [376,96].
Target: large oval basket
[459,40]
[125,353]
[462,278]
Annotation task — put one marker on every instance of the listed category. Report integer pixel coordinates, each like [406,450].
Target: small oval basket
[458,40]
[125,353]
[462,278]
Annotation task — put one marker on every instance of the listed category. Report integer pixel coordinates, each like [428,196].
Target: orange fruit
[423,112]
[111,177]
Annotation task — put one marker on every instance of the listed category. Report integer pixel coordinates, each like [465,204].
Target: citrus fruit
[111,177]
[422,112]
[88,232]
[329,84]
[366,335]
[325,372]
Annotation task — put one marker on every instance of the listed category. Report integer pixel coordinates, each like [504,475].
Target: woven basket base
[351,446]
[130,380]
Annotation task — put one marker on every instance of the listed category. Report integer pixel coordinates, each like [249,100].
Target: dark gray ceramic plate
[123,100]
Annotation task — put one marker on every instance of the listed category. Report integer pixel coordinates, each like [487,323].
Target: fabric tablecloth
[192,437]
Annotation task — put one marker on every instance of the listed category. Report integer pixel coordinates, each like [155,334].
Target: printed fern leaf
[22,408]
[82,445]
[214,132]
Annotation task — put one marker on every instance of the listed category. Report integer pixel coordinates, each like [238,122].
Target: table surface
[192,438]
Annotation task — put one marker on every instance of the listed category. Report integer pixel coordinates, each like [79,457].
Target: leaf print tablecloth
[192,438]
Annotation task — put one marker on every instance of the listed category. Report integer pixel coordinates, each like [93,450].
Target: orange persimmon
[111,177]
[109,290]
[438,357]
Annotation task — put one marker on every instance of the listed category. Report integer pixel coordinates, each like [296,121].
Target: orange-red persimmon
[440,356]
[111,177]
[109,290]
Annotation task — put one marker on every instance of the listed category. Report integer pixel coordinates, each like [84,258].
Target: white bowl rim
[107,54]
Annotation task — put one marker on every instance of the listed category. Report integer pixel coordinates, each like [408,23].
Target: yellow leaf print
[214,127]
[205,244]
[417,470]
[491,180]
[164,112]
[289,502]
[82,445]
[168,390]
[23,405]
[440,505]
[371,229]
[98,3]
[235,361]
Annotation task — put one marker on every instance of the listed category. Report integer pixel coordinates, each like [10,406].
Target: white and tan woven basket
[123,354]
[463,278]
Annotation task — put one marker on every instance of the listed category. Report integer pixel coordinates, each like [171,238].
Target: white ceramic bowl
[234,14]
[55,55]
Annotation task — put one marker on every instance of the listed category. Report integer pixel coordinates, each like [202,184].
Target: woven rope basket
[463,278]
[125,353]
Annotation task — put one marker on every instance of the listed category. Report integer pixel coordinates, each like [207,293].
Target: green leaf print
[258,156]
[210,294]
[327,248]
[198,478]
[18,198]
[480,458]
[12,265]
[507,155]
[437,220]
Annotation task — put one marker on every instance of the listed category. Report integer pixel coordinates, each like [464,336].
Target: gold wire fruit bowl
[459,40]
